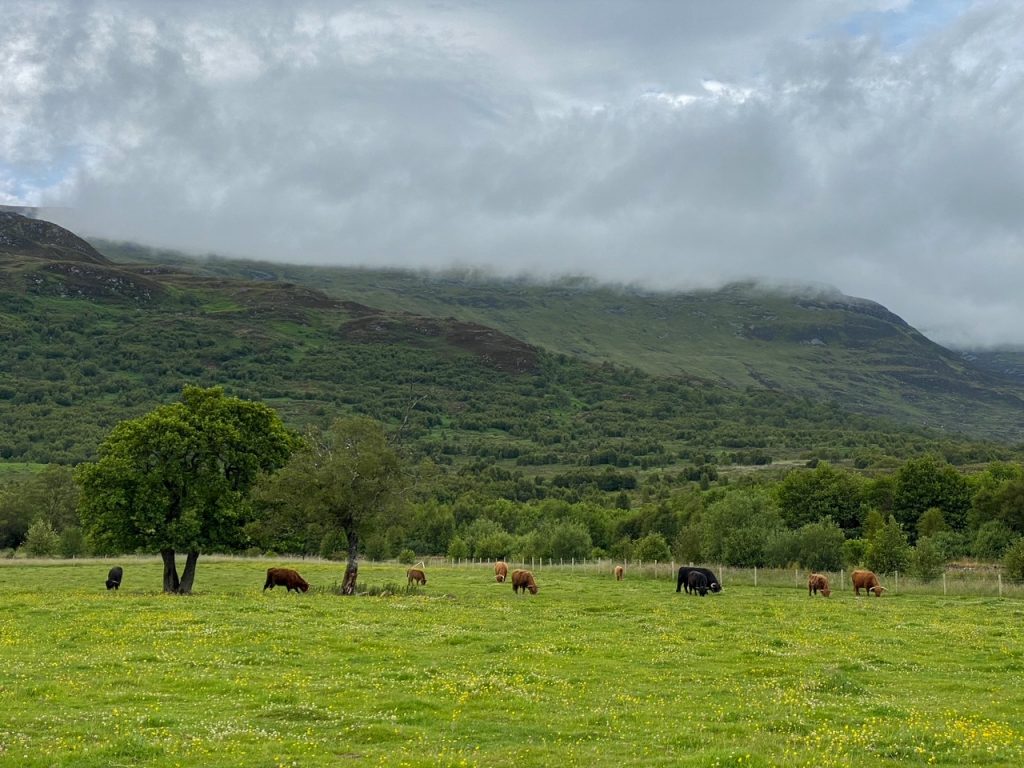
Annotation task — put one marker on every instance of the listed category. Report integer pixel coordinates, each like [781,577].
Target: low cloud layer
[875,146]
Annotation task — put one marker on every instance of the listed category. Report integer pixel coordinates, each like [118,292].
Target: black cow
[697,582]
[713,585]
[114,577]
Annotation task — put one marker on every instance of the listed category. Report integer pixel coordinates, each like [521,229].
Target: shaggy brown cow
[523,580]
[285,577]
[866,580]
[500,571]
[417,576]
[817,582]
[619,572]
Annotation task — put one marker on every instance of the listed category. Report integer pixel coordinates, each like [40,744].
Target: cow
[500,571]
[697,582]
[415,575]
[714,585]
[285,577]
[619,572]
[817,582]
[114,577]
[866,580]
[524,580]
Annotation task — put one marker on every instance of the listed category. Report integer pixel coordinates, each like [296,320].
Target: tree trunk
[348,584]
[171,582]
[189,574]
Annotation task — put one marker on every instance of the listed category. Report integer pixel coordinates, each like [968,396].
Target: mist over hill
[478,372]
[809,341]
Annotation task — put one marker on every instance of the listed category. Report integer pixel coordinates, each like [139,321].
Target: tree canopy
[178,477]
[348,478]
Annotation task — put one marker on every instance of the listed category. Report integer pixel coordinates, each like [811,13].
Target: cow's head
[826,591]
[534,589]
[715,587]
[878,590]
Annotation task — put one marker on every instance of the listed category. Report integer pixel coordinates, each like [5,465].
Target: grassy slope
[823,346]
[91,345]
[588,672]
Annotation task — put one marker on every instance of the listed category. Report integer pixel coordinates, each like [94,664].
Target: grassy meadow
[588,672]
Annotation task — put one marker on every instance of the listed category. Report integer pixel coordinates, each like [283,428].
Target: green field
[588,672]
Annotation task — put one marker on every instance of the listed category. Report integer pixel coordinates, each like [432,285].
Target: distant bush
[407,557]
[927,560]
[991,540]
[1013,560]
[41,540]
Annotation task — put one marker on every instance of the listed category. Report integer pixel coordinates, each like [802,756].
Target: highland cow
[524,580]
[285,577]
[866,580]
[500,571]
[114,577]
[817,582]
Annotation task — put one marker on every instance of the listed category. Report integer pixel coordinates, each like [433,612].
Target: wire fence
[980,581]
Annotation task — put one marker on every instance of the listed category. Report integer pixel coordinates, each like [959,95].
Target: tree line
[216,473]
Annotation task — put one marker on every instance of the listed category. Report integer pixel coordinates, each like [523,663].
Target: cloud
[874,146]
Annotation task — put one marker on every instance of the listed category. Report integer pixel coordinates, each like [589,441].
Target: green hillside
[815,344]
[87,342]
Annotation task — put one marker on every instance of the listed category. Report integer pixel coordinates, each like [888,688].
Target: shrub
[927,560]
[888,549]
[458,549]
[72,542]
[652,547]
[1013,561]
[334,546]
[855,552]
[41,540]
[820,545]
[991,540]
[407,557]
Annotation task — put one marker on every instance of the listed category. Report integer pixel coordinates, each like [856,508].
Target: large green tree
[809,496]
[178,478]
[348,477]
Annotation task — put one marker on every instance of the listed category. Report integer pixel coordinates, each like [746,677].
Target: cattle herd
[695,581]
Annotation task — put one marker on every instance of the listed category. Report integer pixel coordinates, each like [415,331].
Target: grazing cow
[714,585]
[866,580]
[697,582]
[500,571]
[415,575]
[523,580]
[114,577]
[619,572]
[285,577]
[817,582]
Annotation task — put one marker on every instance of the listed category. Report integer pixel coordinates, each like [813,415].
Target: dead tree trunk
[348,584]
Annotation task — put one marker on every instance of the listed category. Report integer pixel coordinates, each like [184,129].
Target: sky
[874,146]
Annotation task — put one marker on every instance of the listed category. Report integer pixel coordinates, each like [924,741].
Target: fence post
[796,576]
[755,575]
[943,583]
[842,576]
[897,582]
[1000,577]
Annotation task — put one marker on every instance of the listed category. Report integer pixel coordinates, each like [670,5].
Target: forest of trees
[915,517]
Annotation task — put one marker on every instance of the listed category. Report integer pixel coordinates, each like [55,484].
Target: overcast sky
[876,146]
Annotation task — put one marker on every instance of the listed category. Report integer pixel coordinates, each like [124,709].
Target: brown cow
[866,580]
[500,571]
[417,576]
[285,577]
[818,582]
[619,572]
[523,580]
